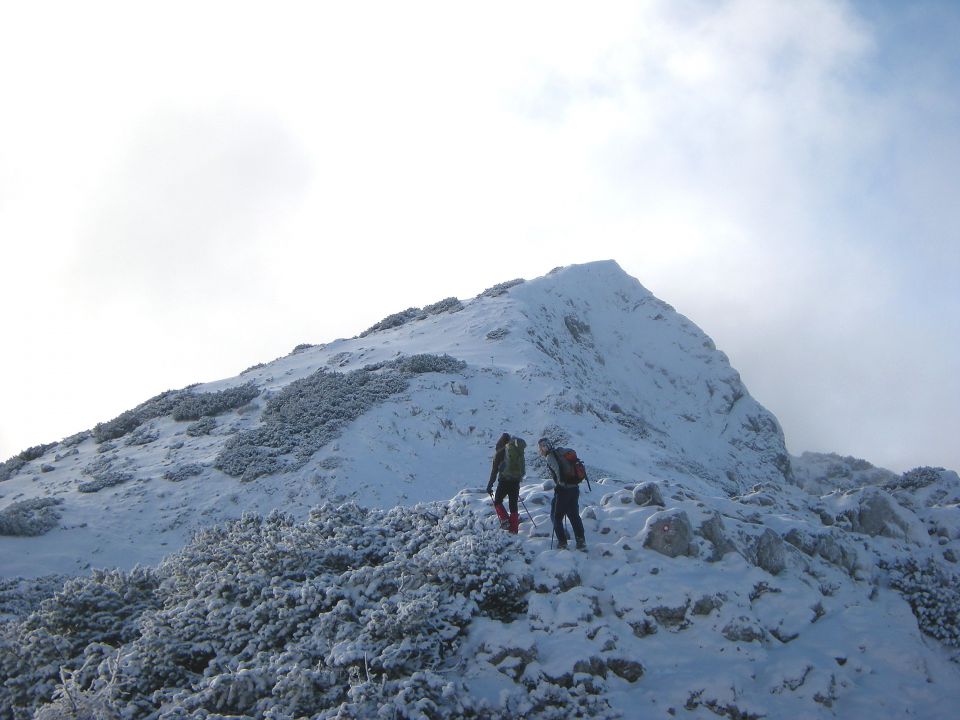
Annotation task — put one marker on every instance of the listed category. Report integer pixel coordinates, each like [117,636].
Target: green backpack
[514,465]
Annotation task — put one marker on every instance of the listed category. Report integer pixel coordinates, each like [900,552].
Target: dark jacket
[498,458]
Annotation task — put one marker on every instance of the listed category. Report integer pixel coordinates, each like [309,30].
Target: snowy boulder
[743,629]
[769,552]
[629,670]
[713,530]
[648,493]
[669,533]
[873,511]
[826,546]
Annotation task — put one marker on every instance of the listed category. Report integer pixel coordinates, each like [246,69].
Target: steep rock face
[408,411]
[629,359]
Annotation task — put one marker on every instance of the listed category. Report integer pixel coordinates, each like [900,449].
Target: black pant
[566,503]
[509,489]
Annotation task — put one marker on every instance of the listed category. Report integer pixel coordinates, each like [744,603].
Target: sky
[191,188]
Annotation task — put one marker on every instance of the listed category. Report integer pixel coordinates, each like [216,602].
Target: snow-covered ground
[755,585]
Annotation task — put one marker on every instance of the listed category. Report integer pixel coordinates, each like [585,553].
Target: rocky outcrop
[669,533]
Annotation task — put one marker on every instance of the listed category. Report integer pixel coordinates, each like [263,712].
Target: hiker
[566,498]
[508,470]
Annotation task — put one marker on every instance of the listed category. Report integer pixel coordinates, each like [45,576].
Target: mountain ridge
[719,580]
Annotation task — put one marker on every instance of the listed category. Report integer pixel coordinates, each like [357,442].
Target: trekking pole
[528,512]
[553,527]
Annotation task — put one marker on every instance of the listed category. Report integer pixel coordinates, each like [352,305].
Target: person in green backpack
[509,468]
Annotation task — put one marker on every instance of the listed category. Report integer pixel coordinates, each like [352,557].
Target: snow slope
[585,353]
[722,579]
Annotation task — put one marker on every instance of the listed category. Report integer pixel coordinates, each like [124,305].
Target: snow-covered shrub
[125,422]
[917,478]
[426,362]
[21,596]
[934,596]
[73,701]
[142,436]
[203,426]
[193,406]
[105,480]
[75,439]
[9,468]
[392,321]
[303,417]
[102,609]
[447,305]
[12,466]
[301,348]
[500,288]
[104,474]
[30,517]
[183,472]
[353,613]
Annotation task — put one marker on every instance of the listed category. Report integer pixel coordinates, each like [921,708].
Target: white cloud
[204,168]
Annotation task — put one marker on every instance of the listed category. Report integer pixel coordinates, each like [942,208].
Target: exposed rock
[713,530]
[837,553]
[594,666]
[669,533]
[743,629]
[629,670]
[707,604]
[769,551]
[673,617]
[648,493]
[877,513]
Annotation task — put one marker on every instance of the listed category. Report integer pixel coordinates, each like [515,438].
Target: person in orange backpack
[509,468]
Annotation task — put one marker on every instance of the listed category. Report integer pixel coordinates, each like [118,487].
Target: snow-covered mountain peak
[584,354]
[718,579]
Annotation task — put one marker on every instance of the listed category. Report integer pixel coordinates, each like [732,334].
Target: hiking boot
[561,545]
[581,544]
[514,526]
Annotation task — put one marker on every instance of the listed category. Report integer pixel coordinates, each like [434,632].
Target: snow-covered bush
[447,305]
[450,304]
[917,478]
[102,609]
[354,613]
[21,596]
[203,426]
[193,406]
[303,417]
[426,362]
[125,422]
[30,517]
[104,475]
[392,321]
[142,436]
[934,596]
[11,467]
[500,288]
[183,472]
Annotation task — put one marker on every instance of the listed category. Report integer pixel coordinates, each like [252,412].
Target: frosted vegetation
[181,404]
[356,611]
[362,613]
[307,414]
[723,577]
[448,305]
[30,517]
